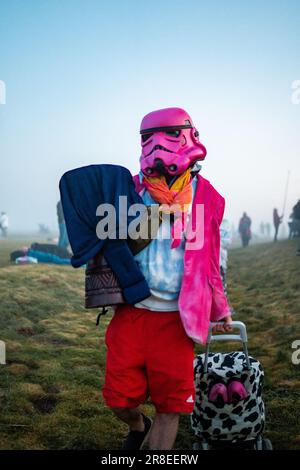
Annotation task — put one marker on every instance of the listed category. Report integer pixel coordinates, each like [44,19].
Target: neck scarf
[179,194]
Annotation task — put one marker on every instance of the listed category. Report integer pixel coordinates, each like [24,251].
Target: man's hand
[225,328]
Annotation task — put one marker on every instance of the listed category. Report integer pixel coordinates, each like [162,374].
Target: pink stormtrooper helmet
[170,142]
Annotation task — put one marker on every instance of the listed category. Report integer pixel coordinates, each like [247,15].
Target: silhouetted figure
[296,222]
[296,218]
[268,229]
[277,219]
[245,229]
[296,210]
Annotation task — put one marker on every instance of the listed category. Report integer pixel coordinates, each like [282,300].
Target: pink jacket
[202,297]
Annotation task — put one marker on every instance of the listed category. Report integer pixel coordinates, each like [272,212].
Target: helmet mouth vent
[159,147]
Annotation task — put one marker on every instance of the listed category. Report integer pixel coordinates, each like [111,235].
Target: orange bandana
[180,193]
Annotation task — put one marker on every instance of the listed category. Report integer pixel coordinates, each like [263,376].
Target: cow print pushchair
[238,424]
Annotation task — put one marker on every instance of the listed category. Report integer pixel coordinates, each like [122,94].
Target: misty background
[80,75]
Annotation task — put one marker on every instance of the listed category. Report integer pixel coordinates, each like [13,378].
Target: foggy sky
[80,75]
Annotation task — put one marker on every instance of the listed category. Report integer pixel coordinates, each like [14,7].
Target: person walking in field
[172,288]
[245,229]
[150,347]
[276,221]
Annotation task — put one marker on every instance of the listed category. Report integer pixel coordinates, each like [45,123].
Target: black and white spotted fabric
[230,422]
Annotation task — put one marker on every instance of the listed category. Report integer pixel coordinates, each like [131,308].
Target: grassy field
[50,388]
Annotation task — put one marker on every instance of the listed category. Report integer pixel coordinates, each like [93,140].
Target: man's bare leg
[164,431]
[131,416]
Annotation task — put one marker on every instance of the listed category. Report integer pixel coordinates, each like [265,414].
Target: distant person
[63,241]
[296,218]
[245,229]
[296,210]
[294,226]
[277,219]
[296,222]
[4,224]
[268,229]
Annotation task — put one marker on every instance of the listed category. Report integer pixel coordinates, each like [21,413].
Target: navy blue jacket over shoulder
[82,191]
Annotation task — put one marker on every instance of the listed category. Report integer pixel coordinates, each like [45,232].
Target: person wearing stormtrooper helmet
[150,345]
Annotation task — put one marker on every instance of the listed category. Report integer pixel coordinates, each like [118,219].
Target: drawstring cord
[104,311]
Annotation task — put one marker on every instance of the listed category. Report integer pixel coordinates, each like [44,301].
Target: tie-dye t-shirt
[162,266]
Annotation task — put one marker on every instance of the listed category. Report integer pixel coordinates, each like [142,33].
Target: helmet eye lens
[174,133]
[145,137]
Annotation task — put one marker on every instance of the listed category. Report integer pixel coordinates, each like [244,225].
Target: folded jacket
[82,191]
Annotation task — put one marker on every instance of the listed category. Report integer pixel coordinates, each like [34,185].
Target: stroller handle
[227,336]
[242,336]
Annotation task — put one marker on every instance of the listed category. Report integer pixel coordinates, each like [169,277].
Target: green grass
[50,388]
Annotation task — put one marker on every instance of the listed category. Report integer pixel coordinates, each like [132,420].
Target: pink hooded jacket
[202,298]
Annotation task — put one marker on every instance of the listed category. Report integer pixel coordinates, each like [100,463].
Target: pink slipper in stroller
[218,394]
[236,391]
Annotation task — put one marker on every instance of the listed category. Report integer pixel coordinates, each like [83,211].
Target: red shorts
[149,353]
